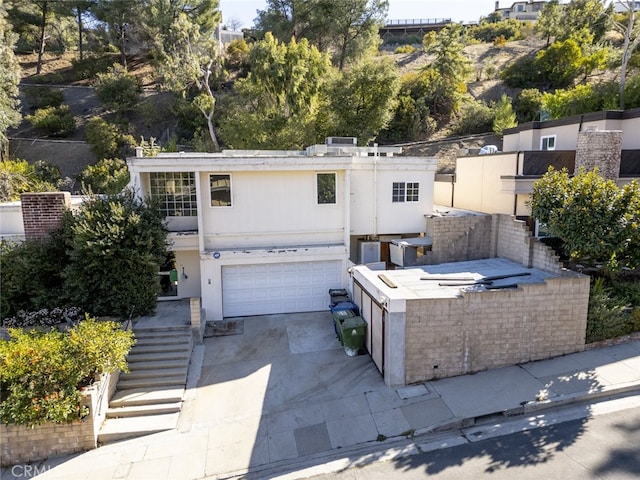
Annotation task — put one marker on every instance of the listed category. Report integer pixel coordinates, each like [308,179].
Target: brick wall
[22,444]
[489,329]
[457,239]
[602,149]
[42,212]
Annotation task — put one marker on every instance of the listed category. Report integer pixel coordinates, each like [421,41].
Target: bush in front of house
[611,313]
[42,373]
[109,175]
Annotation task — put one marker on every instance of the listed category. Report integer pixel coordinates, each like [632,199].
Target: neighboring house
[522,11]
[621,6]
[261,232]
[502,182]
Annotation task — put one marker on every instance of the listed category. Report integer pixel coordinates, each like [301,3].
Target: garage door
[279,287]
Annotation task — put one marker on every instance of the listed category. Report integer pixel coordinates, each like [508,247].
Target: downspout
[515,198]
[375,189]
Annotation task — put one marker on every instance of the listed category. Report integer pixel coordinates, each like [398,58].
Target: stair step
[155,373]
[147,396]
[170,329]
[143,410]
[116,429]
[125,384]
[137,365]
[145,341]
[159,349]
[157,356]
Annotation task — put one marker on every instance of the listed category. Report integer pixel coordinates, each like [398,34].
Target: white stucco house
[262,232]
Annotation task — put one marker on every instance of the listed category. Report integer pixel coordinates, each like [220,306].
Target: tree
[631,33]
[587,20]
[187,57]
[81,9]
[277,105]
[362,100]
[449,60]
[9,80]
[118,89]
[345,28]
[528,105]
[18,176]
[117,244]
[596,220]
[120,16]
[109,176]
[504,115]
[549,20]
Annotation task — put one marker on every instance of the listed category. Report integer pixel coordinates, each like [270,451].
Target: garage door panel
[278,288]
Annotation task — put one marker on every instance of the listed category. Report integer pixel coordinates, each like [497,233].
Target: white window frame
[335,188]
[230,190]
[405,192]
[548,138]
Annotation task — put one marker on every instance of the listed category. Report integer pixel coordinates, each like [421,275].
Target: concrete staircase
[148,398]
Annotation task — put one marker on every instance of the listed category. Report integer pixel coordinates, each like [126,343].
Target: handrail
[418,21]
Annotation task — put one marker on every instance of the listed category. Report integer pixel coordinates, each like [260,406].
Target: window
[548,143]
[220,190]
[175,193]
[405,192]
[326,188]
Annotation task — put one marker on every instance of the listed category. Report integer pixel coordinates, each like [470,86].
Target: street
[606,444]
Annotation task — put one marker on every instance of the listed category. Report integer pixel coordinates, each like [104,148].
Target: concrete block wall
[513,240]
[490,329]
[42,212]
[21,444]
[602,149]
[457,239]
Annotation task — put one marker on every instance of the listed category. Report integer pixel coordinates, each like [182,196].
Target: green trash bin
[338,317]
[354,331]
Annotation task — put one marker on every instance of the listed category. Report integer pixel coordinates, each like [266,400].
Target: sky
[456,10]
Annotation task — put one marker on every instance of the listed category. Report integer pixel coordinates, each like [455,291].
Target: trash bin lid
[353,322]
[340,314]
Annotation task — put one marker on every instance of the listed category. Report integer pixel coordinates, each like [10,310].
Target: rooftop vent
[342,141]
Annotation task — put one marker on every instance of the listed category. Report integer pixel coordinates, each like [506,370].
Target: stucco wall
[489,329]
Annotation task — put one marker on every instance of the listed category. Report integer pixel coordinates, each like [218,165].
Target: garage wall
[490,329]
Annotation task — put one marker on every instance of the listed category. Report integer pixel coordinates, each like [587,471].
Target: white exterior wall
[11,225]
[272,209]
[373,212]
[479,186]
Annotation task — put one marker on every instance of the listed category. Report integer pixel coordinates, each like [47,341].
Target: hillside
[152,120]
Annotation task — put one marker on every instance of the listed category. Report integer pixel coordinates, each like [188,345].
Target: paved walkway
[283,395]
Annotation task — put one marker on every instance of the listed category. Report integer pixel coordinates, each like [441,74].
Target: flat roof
[449,280]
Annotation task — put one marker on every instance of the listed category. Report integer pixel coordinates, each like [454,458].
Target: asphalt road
[597,446]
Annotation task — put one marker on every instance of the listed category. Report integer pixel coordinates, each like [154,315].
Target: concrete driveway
[283,388]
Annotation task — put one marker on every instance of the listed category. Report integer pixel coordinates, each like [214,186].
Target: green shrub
[46,172]
[54,121]
[106,140]
[488,32]
[19,176]
[609,316]
[42,373]
[475,117]
[109,175]
[528,105]
[90,66]
[405,49]
[118,90]
[44,317]
[43,97]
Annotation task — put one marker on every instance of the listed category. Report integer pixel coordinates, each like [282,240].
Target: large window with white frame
[220,187]
[326,188]
[175,193]
[405,192]
[548,142]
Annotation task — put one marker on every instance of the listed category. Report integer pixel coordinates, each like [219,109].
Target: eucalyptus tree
[630,30]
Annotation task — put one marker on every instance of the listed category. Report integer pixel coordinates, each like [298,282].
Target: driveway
[283,388]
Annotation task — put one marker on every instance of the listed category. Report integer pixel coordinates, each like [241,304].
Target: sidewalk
[260,403]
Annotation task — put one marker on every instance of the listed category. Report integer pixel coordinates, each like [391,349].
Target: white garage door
[279,287]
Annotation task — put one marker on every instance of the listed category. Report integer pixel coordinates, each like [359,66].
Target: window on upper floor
[326,188]
[220,186]
[405,192]
[175,193]
[548,142]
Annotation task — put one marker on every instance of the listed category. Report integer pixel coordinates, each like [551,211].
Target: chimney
[602,149]
[497,5]
[42,212]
